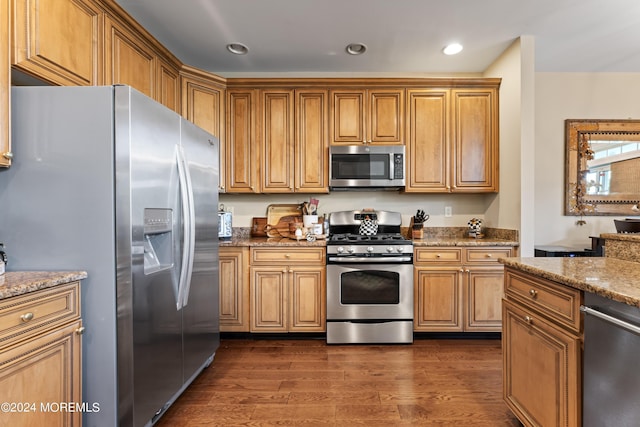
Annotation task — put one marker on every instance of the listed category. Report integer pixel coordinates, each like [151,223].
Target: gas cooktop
[355,239]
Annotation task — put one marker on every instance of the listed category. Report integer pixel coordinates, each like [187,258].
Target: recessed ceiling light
[356,49]
[237,48]
[452,49]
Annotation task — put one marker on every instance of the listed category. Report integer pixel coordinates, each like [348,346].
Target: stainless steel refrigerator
[108,181]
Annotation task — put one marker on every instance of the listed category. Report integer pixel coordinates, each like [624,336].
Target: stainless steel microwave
[358,167]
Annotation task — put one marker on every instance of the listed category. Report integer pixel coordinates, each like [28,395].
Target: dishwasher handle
[610,319]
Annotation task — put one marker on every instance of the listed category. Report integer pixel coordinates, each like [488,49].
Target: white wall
[561,96]
[514,204]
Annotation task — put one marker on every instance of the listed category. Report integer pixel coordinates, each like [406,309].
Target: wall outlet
[448,212]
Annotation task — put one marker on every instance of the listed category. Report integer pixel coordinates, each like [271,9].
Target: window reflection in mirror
[611,156]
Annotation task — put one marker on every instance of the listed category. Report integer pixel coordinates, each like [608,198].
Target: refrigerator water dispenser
[158,240]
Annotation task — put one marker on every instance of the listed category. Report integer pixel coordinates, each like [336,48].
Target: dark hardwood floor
[433,382]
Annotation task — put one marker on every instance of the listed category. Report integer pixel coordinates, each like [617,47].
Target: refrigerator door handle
[188,222]
[192,230]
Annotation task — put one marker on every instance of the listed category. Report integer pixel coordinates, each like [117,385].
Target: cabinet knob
[80,330]
[533,293]
[466,270]
[438,256]
[528,319]
[27,316]
[287,256]
[284,271]
[8,155]
[461,270]
[489,255]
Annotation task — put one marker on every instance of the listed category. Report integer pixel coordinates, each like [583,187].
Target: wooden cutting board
[283,227]
[275,212]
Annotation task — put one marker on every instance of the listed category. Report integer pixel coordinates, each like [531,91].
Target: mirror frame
[578,151]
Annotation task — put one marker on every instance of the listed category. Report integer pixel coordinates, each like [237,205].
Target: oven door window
[370,287]
[360,166]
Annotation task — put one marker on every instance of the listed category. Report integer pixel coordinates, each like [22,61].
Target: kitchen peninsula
[544,332]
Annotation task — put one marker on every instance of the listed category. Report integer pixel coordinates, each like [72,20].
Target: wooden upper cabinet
[58,40]
[5,88]
[203,103]
[367,116]
[474,139]
[168,90]
[312,141]
[275,132]
[242,153]
[428,127]
[129,59]
[452,140]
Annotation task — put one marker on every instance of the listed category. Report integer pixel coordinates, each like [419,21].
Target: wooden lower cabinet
[234,289]
[458,289]
[288,291]
[541,353]
[40,358]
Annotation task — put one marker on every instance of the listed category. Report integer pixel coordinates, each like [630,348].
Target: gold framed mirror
[602,171]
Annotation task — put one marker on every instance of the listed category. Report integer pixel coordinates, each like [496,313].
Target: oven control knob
[352,250]
[340,249]
[369,249]
[389,248]
[399,249]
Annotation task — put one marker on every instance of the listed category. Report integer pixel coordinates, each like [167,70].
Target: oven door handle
[370,260]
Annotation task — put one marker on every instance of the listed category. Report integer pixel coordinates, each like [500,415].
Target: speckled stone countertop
[433,236]
[611,278]
[14,283]
[270,241]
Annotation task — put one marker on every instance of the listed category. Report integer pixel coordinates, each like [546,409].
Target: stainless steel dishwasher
[611,378]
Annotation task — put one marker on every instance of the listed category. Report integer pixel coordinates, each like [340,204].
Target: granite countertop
[243,240]
[611,278]
[462,241]
[433,236]
[16,283]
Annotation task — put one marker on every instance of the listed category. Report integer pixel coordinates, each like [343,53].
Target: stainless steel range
[369,279]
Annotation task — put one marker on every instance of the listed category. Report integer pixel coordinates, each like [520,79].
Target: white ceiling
[402,36]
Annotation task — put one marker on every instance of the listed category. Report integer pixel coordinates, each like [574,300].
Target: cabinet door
[348,122]
[541,369]
[437,299]
[307,296]
[58,40]
[41,374]
[241,146]
[475,140]
[203,105]
[269,299]
[5,88]
[168,90]
[312,140]
[428,156]
[234,289]
[483,292]
[276,140]
[128,59]
[385,119]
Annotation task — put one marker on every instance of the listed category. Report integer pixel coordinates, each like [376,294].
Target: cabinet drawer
[290,255]
[26,315]
[439,255]
[555,301]
[486,255]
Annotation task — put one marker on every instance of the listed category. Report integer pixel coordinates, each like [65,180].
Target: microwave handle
[392,167]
